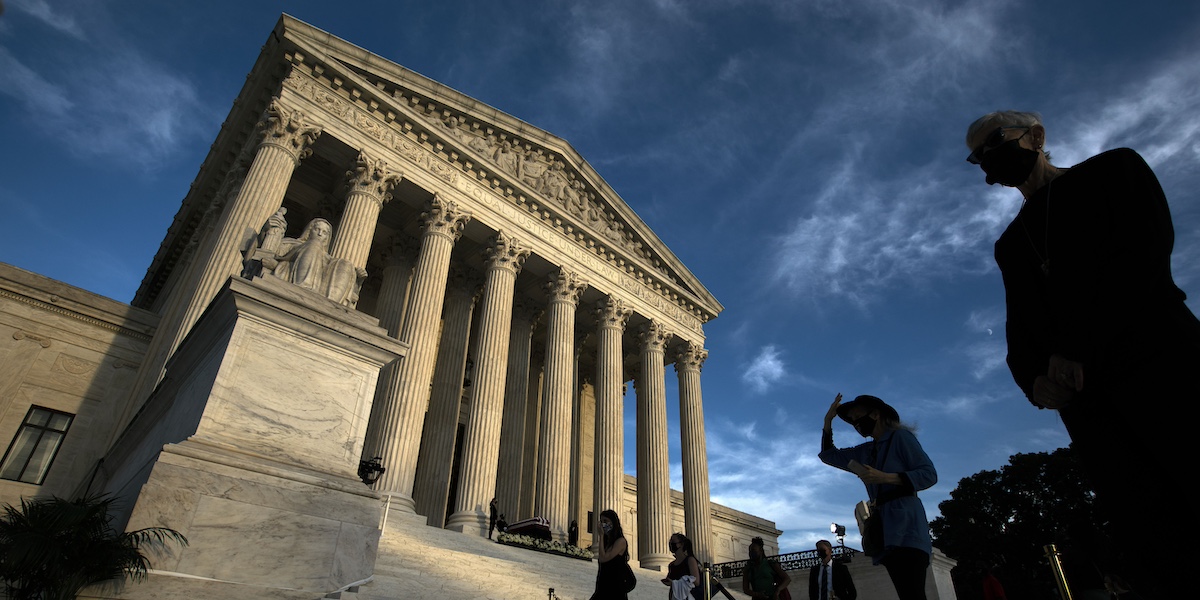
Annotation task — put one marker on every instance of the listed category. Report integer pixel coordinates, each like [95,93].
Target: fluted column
[580,380]
[401,417]
[697,518]
[653,474]
[609,474]
[370,187]
[516,394]
[436,458]
[286,137]
[481,444]
[533,419]
[554,440]
[398,261]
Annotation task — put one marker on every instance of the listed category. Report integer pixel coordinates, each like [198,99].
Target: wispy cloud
[42,11]
[779,479]
[764,370]
[141,118]
[864,237]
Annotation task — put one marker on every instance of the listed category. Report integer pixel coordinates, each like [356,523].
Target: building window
[30,454]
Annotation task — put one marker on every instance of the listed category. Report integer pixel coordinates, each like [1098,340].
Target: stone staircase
[417,562]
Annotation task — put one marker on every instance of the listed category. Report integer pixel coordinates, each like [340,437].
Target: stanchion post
[1060,578]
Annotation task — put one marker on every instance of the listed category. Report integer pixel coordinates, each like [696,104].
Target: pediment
[531,166]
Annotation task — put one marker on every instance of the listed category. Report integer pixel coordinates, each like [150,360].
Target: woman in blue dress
[894,468]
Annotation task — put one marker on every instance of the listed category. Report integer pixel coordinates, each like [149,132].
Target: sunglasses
[993,140]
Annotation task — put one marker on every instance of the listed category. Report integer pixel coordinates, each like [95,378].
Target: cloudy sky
[803,158]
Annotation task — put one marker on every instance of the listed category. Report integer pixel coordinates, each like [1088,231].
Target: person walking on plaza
[830,579]
[894,468]
[1098,331]
[763,579]
[613,558]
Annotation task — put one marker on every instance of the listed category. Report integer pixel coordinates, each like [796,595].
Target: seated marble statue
[305,261]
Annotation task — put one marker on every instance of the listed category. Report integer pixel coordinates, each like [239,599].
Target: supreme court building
[370,264]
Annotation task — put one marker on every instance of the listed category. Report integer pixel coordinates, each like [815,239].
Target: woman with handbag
[763,579]
[615,578]
[894,468]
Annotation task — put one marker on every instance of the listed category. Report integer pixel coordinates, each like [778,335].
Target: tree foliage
[1007,517]
[51,548]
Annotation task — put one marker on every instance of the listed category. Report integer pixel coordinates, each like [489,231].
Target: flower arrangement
[549,546]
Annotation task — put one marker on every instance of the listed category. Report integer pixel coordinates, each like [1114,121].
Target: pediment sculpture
[304,262]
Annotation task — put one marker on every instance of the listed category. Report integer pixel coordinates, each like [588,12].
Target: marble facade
[351,212]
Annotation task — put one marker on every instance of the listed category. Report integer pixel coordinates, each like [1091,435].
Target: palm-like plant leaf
[51,548]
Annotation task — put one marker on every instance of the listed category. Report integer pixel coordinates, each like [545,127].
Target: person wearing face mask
[1097,329]
[613,558]
[830,579]
[683,573]
[894,468]
[764,579]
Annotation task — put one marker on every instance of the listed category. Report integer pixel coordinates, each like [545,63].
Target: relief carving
[24,335]
[543,174]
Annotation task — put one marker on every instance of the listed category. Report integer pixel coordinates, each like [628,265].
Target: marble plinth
[250,448]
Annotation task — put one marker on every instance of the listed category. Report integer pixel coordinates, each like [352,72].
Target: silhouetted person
[502,523]
[894,468]
[1098,330]
[493,508]
[613,559]
[830,579]
[573,533]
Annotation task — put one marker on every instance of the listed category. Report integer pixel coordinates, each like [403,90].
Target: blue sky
[803,159]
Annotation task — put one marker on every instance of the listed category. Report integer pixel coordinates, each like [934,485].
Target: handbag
[870,526]
[628,579]
[870,520]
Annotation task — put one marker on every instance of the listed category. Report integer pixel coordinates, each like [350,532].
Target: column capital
[464,281]
[288,129]
[612,312]
[444,217]
[525,310]
[654,336]
[400,251]
[690,357]
[505,252]
[372,177]
[566,286]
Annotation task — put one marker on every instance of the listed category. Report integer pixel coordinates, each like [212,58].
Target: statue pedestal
[250,448]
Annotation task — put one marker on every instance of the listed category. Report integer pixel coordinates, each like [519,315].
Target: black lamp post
[370,470]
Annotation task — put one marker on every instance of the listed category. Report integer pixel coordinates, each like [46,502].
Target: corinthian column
[398,260]
[533,416]
[611,315]
[286,137]
[481,444]
[516,394]
[696,516]
[370,187]
[551,496]
[407,387]
[393,290]
[653,475]
[441,421]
